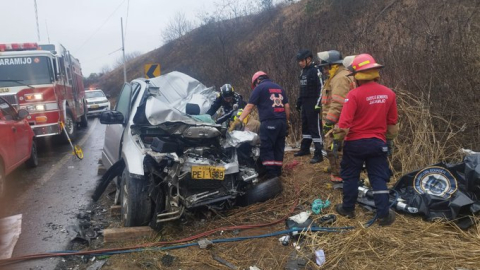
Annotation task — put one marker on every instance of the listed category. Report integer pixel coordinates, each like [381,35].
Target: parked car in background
[97,101]
[17,144]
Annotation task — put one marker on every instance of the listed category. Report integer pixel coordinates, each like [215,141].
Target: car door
[114,132]
[8,133]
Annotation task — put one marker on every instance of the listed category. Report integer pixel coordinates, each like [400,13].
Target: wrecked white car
[168,157]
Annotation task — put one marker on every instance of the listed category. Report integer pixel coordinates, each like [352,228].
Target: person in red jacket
[368,121]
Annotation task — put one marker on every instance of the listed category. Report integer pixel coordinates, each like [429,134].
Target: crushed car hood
[176,90]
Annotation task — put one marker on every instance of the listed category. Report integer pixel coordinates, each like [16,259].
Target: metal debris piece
[205,243]
[224,262]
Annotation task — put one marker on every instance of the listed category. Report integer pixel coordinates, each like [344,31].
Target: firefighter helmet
[303,54]
[364,62]
[330,57]
[227,90]
[347,62]
[257,75]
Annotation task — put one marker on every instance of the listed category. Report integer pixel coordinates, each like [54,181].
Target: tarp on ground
[444,191]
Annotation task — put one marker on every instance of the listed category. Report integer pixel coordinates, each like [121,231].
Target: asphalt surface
[50,196]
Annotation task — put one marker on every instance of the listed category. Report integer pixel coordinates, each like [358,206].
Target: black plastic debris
[167,260]
[444,191]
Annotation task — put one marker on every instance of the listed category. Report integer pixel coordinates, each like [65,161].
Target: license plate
[94,106]
[208,172]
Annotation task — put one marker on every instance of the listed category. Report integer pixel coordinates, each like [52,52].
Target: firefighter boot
[388,220]
[304,148]
[340,210]
[317,156]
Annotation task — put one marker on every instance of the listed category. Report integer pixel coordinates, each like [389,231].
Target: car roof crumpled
[176,91]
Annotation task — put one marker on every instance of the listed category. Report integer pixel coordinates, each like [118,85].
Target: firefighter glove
[236,125]
[390,146]
[327,126]
[299,105]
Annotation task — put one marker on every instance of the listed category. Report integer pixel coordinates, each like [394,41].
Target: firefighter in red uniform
[367,123]
[274,112]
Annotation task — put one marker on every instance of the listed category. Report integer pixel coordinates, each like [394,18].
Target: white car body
[97,103]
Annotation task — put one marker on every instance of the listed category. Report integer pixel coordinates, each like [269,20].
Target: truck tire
[33,160]
[84,118]
[136,204]
[70,126]
[262,192]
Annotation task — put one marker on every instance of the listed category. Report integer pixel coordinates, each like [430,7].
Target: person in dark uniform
[274,112]
[229,100]
[310,87]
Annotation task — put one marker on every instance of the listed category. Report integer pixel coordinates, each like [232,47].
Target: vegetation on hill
[430,50]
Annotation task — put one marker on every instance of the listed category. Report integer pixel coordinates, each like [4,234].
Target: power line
[98,29]
[126,20]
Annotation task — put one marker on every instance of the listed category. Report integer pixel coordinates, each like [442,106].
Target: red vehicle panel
[17,143]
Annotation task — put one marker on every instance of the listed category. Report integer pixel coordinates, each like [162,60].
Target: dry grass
[410,243]
[425,138]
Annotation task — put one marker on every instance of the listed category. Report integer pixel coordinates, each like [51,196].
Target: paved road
[51,195]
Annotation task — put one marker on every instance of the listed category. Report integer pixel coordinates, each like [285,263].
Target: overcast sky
[90,29]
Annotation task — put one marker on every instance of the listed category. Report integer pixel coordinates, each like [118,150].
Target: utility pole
[123,49]
[36,17]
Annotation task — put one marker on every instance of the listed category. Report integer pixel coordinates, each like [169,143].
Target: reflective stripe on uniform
[380,192]
[338,99]
[305,136]
[272,163]
[332,117]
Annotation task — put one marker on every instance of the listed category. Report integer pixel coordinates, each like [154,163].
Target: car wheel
[33,160]
[2,181]
[136,204]
[70,126]
[261,192]
[84,118]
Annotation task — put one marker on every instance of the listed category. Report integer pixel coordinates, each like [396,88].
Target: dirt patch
[409,243]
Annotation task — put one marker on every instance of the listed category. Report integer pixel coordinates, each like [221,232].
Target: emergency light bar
[18,47]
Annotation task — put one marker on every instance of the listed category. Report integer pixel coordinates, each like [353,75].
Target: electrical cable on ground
[161,245]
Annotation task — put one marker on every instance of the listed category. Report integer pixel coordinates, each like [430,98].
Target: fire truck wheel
[70,126]
[83,118]
[33,160]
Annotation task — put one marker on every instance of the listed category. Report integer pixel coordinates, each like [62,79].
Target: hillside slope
[429,48]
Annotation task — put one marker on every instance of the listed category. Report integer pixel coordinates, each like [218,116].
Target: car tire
[70,127]
[32,162]
[84,118]
[136,204]
[2,180]
[262,192]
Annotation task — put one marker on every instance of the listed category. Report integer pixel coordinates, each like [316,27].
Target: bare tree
[176,28]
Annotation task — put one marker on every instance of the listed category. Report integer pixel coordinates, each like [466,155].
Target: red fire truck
[47,81]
